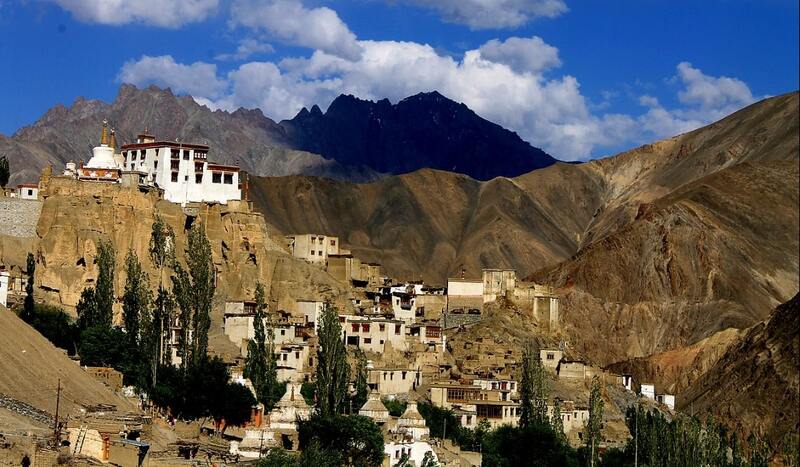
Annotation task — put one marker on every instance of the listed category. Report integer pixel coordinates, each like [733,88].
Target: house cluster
[181,171]
[554,360]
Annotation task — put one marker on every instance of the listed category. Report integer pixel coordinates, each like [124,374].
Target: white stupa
[103,155]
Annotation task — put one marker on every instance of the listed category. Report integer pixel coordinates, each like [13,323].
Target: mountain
[653,249]
[244,137]
[427,130]
[755,385]
[374,138]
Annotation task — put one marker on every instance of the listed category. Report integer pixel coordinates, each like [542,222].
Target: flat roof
[161,144]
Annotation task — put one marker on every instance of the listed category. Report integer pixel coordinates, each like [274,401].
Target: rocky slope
[433,223]
[430,224]
[673,371]
[425,130]
[76,216]
[31,367]
[755,385]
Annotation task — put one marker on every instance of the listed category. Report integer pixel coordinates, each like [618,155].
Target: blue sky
[579,78]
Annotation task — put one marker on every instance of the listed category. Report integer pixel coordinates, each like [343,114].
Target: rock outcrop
[77,215]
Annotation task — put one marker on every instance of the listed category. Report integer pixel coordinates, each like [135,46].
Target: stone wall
[18,217]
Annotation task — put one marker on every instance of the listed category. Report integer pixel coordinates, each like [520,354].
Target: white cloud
[522,54]
[493,14]
[199,79]
[161,13]
[246,49]
[509,89]
[705,99]
[711,97]
[288,20]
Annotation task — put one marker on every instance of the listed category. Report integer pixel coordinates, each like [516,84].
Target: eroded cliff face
[77,215]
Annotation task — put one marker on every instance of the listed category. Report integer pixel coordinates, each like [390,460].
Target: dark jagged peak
[315,111]
[426,130]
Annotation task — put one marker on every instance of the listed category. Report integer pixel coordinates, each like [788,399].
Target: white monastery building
[181,170]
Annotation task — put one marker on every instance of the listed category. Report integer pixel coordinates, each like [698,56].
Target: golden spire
[113,142]
[104,134]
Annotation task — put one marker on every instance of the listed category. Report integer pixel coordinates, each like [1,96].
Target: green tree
[162,254]
[428,460]
[181,289]
[556,422]
[534,388]
[346,440]
[201,269]
[791,450]
[594,425]
[88,314]
[104,288]
[30,304]
[135,300]
[279,457]
[260,365]
[56,326]
[333,372]
[103,346]
[361,386]
[5,171]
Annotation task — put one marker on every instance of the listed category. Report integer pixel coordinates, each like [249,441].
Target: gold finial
[113,142]
[104,134]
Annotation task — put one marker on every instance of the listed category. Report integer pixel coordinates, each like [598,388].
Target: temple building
[181,170]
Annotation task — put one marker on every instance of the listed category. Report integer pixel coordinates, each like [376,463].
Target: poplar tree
[181,288]
[333,372]
[594,425]
[194,292]
[29,304]
[361,386]
[556,422]
[135,300]
[260,365]
[201,269]
[534,388]
[162,240]
[104,289]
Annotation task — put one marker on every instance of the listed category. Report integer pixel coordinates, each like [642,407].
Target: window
[198,178]
[141,155]
[185,155]
[229,179]
[551,356]
[368,340]
[397,329]
[174,177]
[365,327]
[174,165]
[283,332]
[319,253]
[404,375]
[30,192]
[216,177]
[312,253]
[297,355]
[333,242]
[382,327]
[355,327]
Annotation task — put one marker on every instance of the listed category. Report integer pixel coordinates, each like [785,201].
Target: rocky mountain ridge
[427,130]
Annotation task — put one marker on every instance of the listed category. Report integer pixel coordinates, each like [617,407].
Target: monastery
[181,170]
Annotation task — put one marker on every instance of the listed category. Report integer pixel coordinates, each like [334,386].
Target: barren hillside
[755,386]
[31,367]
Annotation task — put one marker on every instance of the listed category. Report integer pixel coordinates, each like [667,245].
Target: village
[405,334]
